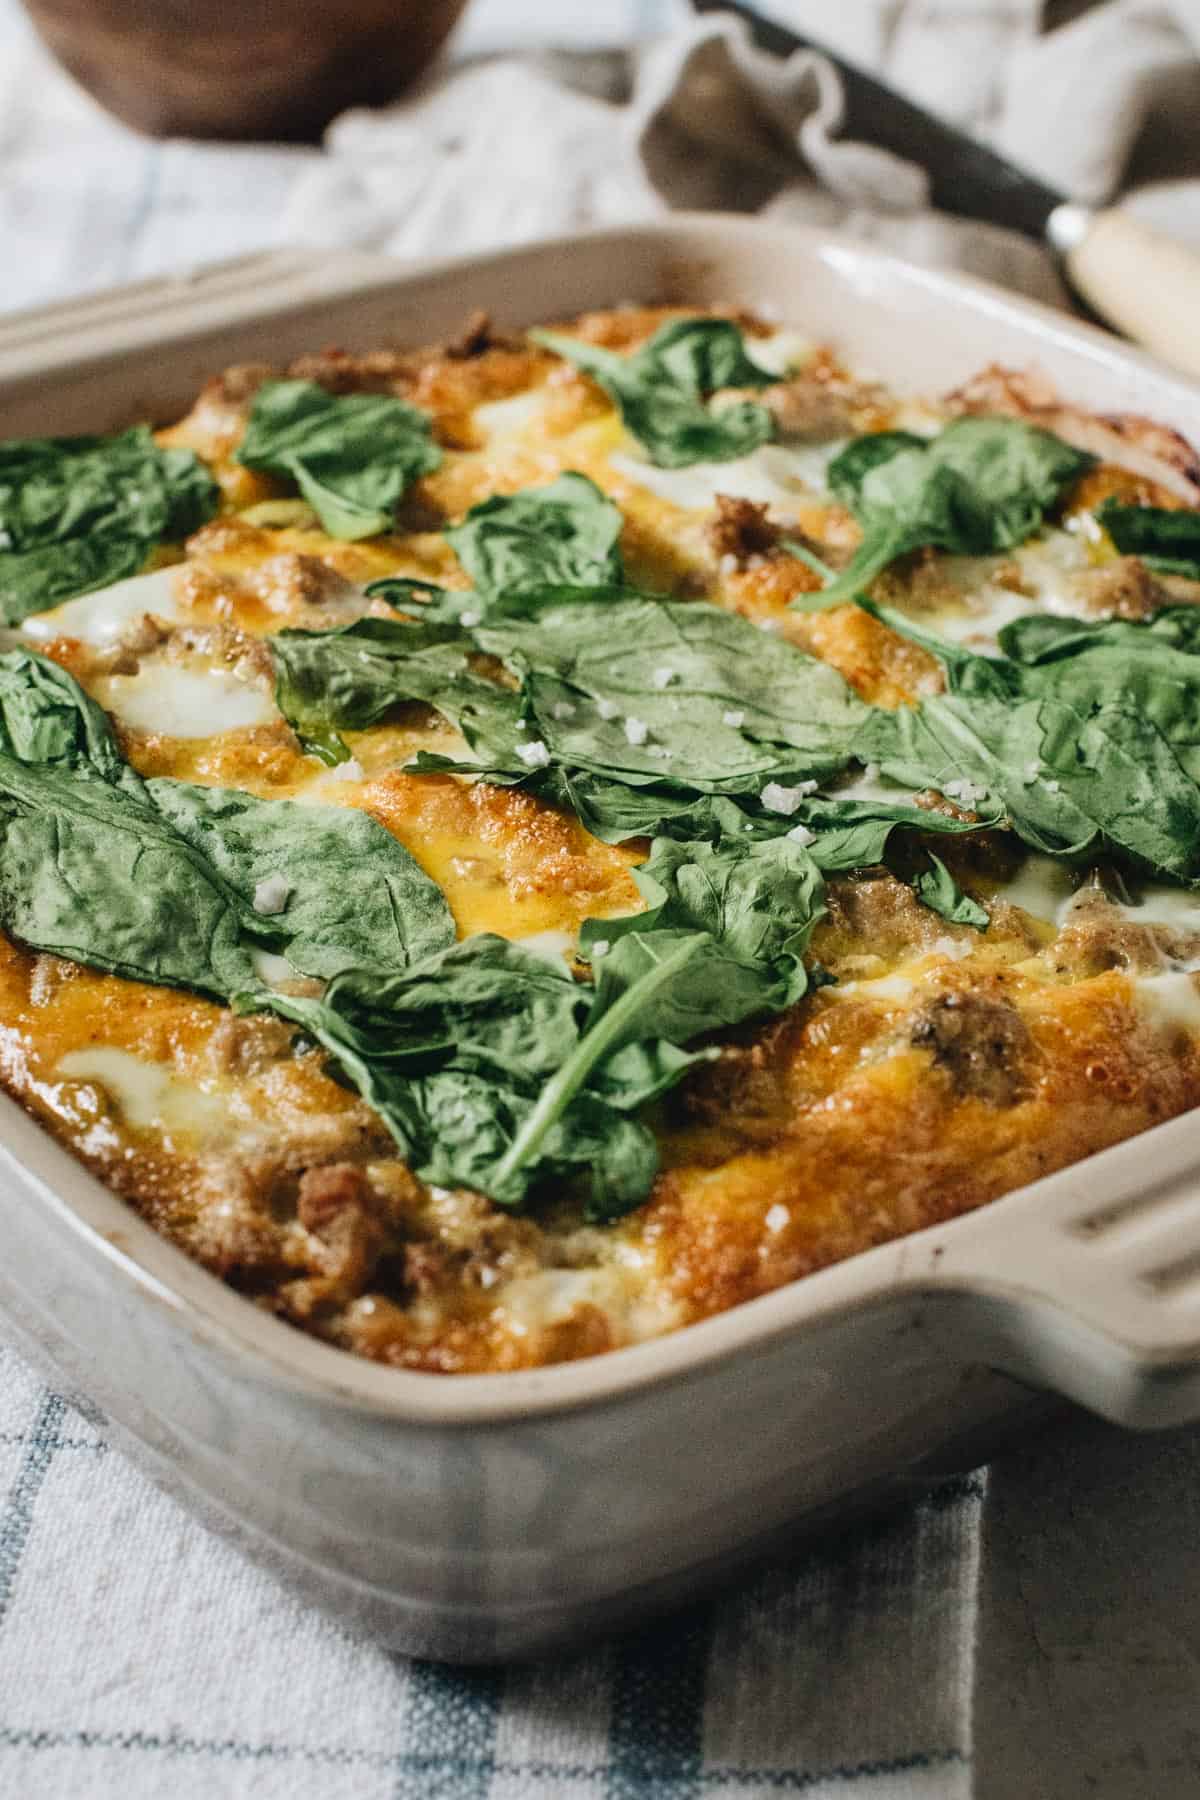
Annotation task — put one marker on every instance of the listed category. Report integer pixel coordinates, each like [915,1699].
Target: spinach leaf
[91,872]
[562,535]
[1066,745]
[455,1058]
[1166,539]
[354,895]
[856,834]
[662,389]
[79,513]
[351,678]
[669,692]
[158,879]
[614,811]
[351,455]
[722,940]
[980,486]
[937,889]
[757,901]
[1149,667]
[613,684]
[45,717]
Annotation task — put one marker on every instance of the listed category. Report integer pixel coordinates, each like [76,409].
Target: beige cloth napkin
[502,151]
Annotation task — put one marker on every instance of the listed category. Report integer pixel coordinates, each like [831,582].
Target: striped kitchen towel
[141,1657]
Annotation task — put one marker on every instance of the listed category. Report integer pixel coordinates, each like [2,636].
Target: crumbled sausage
[292,580]
[245,1044]
[338,1206]
[982,1043]
[1121,589]
[139,637]
[378,371]
[240,383]
[476,336]
[740,529]
[805,407]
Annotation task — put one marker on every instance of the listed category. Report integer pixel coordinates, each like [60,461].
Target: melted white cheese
[554,946]
[185,701]
[149,1095]
[870,785]
[882,987]
[780,353]
[506,418]
[1042,887]
[773,474]
[100,618]
[274,971]
[1176,908]
[1045,888]
[534,1303]
[1172,999]
[1048,566]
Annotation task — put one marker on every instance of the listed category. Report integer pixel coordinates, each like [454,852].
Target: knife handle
[1143,282]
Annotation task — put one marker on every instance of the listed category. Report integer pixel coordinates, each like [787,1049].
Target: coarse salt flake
[601,947]
[662,678]
[469,618]
[776,1218]
[800,834]
[781,799]
[350,770]
[607,709]
[272,894]
[534,754]
[636,730]
[734,718]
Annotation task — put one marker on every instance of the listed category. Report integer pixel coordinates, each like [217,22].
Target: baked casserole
[514,847]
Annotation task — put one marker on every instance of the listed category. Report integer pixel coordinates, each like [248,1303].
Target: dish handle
[1087,1282]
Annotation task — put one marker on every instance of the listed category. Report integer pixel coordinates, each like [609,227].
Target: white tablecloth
[1031,1634]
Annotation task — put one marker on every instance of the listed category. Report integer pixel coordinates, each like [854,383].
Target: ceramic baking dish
[482,1517]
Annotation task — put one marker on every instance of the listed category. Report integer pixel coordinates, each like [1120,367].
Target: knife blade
[964,175]
[1141,281]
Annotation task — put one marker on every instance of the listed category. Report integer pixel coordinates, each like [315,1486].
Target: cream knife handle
[1144,283]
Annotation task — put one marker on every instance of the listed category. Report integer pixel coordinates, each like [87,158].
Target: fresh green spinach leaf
[662,389]
[722,940]
[612,683]
[456,1056]
[351,455]
[159,879]
[981,485]
[79,513]
[937,889]
[351,678]
[1167,539]
[563,535]
[1079,751]
[661,691]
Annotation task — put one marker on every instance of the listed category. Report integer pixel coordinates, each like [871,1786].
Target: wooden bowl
[242,68]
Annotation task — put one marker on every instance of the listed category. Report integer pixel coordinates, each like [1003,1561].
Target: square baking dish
[481,1517]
